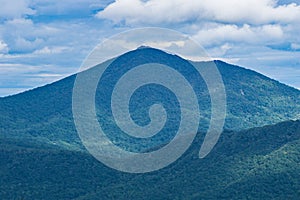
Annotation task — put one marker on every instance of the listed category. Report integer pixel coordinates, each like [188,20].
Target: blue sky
[42,41]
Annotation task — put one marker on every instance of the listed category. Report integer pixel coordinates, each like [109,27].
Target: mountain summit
[45,113]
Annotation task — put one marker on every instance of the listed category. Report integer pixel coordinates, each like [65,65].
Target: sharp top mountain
[44,114]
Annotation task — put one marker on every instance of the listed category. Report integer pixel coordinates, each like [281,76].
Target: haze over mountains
[42,155]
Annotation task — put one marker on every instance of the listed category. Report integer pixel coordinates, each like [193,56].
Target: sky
[42,41]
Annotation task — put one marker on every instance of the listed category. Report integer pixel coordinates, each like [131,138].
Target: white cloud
[51,50]
[15,68]
[295,46]
[3,47]
[15,8]
[176,11]
[26,28]
[24,45]
[220,34]
[24,36]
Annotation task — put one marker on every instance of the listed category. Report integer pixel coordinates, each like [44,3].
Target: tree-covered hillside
[260,163]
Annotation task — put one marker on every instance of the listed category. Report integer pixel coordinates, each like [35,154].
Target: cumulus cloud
[220,34]
[27,28]
[178,11]
[215,23]
[15,9]
[24,36]
[22,45]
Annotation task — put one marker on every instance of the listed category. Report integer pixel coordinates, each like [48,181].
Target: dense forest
[259,163]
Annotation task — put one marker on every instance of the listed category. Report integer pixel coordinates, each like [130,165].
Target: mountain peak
[144,47]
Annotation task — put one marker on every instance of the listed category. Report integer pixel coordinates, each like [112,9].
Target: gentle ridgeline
[44,114]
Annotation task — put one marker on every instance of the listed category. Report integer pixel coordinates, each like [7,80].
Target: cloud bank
[179,11]
[215,22]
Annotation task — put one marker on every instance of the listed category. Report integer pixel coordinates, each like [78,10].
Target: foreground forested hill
[260,163]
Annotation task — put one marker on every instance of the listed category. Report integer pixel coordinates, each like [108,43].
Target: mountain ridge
[253,100]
